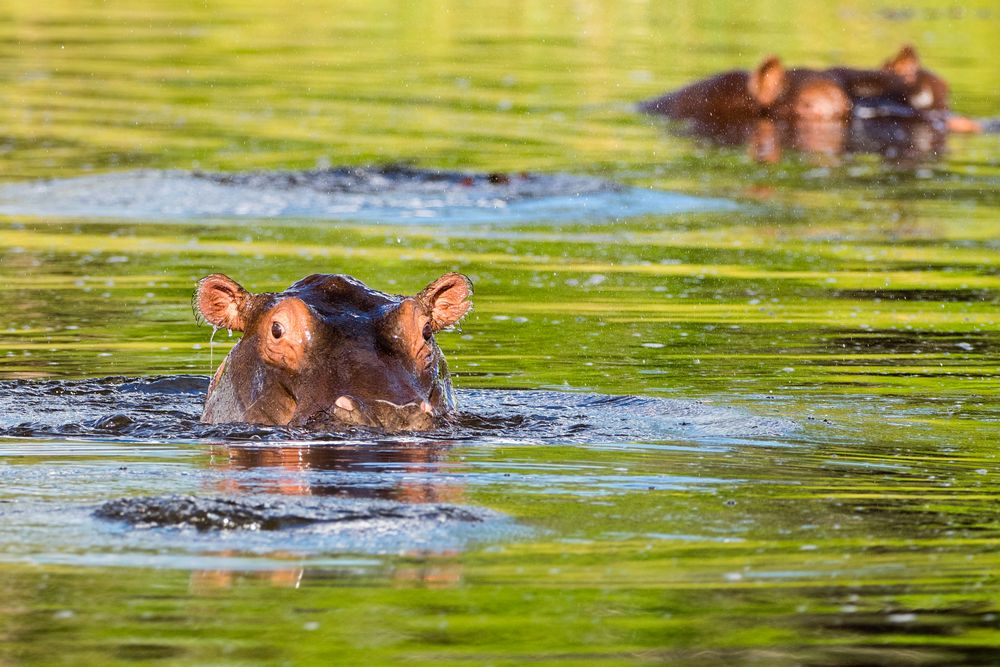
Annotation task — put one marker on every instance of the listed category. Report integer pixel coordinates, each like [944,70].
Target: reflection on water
[899,141]
[389,472]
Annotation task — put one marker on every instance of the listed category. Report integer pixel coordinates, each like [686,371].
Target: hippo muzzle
[383,415]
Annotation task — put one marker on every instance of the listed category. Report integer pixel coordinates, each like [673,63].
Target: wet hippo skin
[330,351]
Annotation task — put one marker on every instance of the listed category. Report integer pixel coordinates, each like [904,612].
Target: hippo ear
[905,64]
[767,81]
[222,302]
[447,299]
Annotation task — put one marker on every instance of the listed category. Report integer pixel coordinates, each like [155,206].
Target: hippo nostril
[345,403]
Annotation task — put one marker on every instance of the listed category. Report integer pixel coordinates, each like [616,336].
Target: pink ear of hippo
[767,82]
[222,301]
[447,299]
[964,125]
[905,64]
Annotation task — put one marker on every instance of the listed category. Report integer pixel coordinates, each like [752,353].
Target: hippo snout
[386,415]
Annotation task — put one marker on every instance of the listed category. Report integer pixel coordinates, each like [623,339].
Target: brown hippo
[770,91]
[330,351]
[894,87]
[902,88]
[906,87]
[926,92]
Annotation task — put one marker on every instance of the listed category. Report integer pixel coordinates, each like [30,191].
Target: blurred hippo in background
[330,351]
[899,111]
[901,88]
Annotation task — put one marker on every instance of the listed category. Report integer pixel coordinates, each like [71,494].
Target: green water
[858,297]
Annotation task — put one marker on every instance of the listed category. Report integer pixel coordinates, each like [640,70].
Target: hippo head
[925,91]
[331,351]
[797,94]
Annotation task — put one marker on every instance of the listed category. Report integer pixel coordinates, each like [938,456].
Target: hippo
[901,88]
[893,90]
[331,352]
[770,91]
[906,87]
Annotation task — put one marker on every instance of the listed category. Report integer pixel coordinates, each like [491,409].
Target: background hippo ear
[905,64]
[447,299]
[222,301]
[767,81]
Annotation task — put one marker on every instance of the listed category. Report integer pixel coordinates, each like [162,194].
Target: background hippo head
[925,90]
[330,350]
[901,88]
[797,94]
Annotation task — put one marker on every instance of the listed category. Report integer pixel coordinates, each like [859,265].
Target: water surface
[373,194]
[853,295]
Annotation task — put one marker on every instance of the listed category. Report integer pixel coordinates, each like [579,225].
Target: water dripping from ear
[211,347]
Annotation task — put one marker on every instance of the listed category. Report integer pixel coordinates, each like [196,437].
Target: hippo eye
[277,330]
[427,331]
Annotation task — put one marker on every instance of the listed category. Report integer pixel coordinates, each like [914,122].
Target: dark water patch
[946,295]
[242,513]
[147,651]
[374,194]
[884,341]
[171,384]
[169,407]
